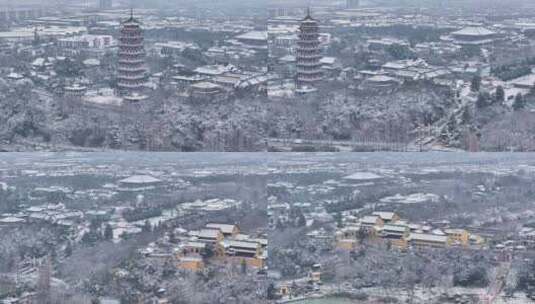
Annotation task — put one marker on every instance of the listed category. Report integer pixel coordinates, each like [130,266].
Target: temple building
[75,91]
[474,36]
[308,54]
[131,71]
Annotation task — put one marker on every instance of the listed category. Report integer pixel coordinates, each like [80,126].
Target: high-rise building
[105,4]
[131,71]
[352,3]
[308,53]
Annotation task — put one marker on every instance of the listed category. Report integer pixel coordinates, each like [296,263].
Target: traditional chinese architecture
[131,71]
[474,36]
[308,53]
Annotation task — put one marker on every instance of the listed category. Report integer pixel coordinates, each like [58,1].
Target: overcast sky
[234,3]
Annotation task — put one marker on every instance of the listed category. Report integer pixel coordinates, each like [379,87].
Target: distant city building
[105,4]
[172,48]
[276,12]
[17,13]
[131,76]
[352,3]
[86,41]
[308,53]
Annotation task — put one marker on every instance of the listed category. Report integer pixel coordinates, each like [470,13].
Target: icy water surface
[328,301]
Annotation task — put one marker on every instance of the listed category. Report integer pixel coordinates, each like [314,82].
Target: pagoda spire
[308,13]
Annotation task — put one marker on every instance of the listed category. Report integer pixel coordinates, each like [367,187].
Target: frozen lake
[368,166]
[204,158]
[328,301]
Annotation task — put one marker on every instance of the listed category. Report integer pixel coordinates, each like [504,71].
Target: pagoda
[131,71]
[308,53]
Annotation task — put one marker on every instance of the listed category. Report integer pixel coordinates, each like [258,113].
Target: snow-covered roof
[381,79]
[253,35]
[524,81]
[75,87]
[369,219]
[205,85]
[189,78]
[209,233]
[135,97]
[140,179]
[11,220]
[474,31]
[385,215]
[403,64]
[362,176]
[428,237]
[91,62]
[225,228]
[455,231]
[395,228]
[212,69]
[39,62]
[327,60]
[241,244]
[287,58]
[15,76]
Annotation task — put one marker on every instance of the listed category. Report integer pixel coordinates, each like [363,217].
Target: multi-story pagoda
[308,53]
[131,71]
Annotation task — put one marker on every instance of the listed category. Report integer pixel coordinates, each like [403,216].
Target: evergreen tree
[481,101]
[526,279]
[518,104]
[475,85]
[108,232]
[172,236]
[271,291]
[338,219]
[466,115]
[279,225]
[147,226]
[500,94]
[68,250]
[301,221]
[243,266]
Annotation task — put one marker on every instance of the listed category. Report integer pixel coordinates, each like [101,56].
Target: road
[282,144]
